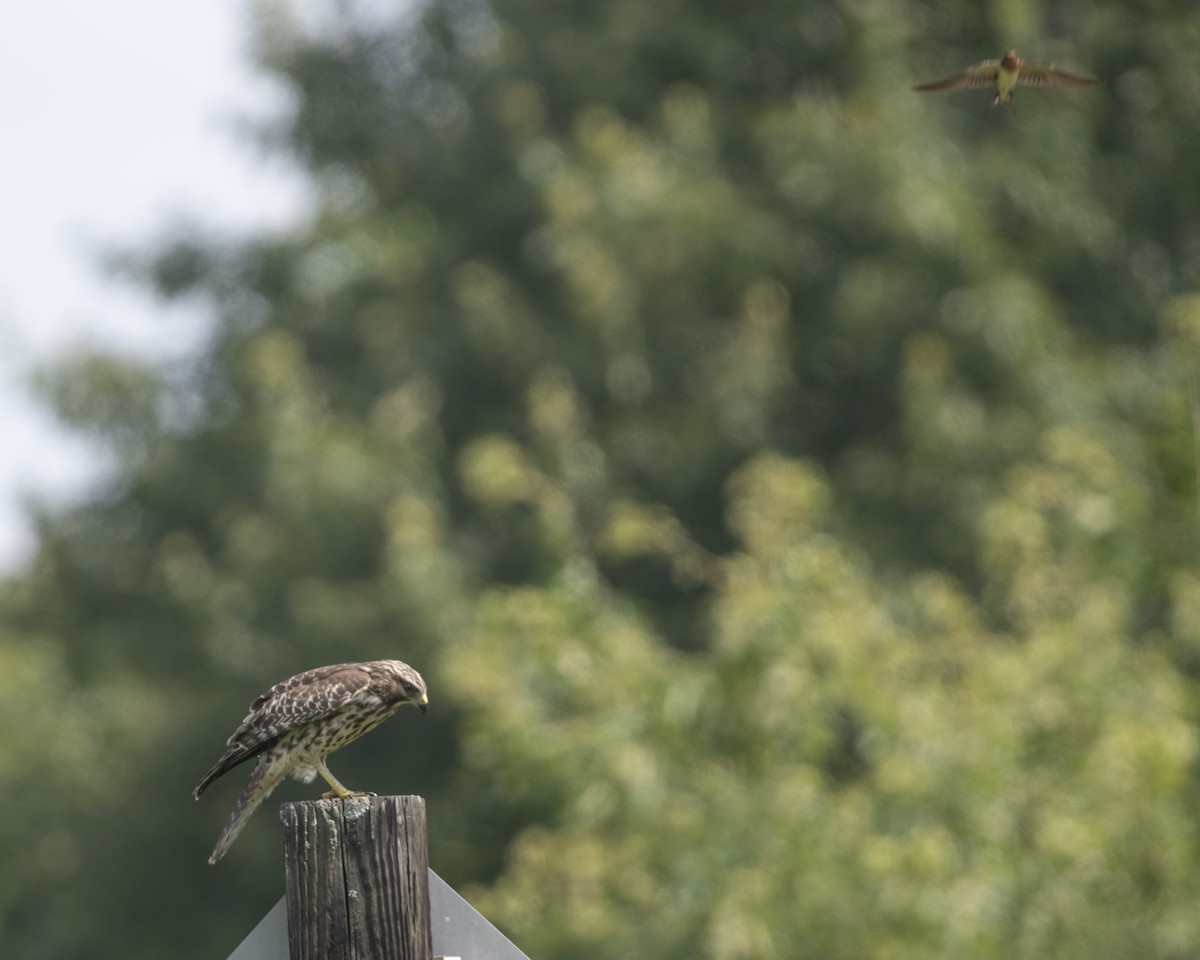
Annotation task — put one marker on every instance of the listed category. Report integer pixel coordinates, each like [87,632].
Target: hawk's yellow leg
[339,790]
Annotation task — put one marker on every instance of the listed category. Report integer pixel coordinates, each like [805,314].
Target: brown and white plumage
[296,724]
[1007,73]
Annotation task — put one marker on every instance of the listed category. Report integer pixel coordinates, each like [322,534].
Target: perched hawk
[296,724]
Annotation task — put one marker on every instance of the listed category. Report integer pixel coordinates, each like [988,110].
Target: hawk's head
[399,682]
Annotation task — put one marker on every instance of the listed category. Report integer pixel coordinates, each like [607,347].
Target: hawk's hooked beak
[423,703]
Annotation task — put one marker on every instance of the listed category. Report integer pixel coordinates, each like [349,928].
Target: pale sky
[119,117]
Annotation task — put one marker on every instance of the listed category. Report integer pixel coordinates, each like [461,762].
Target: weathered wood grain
[357,886]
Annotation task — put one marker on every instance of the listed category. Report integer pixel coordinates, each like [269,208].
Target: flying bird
[1006,74]
[296,724]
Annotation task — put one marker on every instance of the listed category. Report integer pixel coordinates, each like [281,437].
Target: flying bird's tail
[263,780]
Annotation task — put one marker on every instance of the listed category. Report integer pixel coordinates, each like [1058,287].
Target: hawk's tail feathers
[233,756]
[263,780]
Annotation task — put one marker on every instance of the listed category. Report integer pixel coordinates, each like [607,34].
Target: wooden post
[357,879]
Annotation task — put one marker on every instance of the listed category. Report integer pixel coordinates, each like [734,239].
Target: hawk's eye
[409,688]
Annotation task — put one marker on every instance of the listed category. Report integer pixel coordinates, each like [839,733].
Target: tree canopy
[786,483]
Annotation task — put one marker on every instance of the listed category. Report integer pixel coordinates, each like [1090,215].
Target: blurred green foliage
[786,482]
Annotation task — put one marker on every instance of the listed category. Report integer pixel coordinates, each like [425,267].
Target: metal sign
[460,932]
